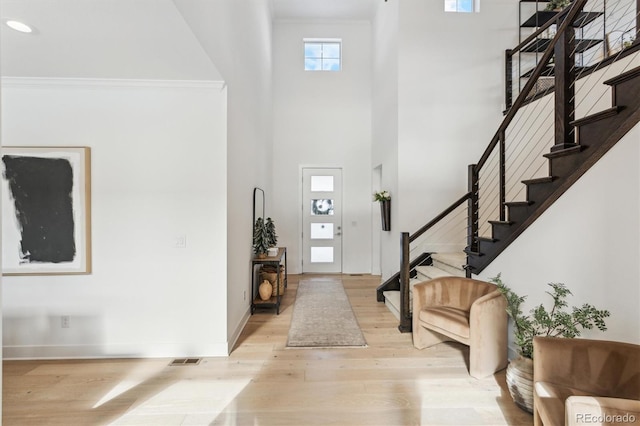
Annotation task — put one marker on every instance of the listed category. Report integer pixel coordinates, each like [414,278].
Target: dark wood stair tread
[518,203]
[629,75]
[473,253]
[487,239]
[610,112]
[564,152]
[501,222]
[540,180]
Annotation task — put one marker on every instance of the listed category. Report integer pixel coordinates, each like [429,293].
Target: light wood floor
[263,383]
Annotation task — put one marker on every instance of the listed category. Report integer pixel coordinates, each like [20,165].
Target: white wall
[450,98]
[385,127]
[588,240]
[236,35]
[323,119]
[1,284]
[440,67]
[158,172]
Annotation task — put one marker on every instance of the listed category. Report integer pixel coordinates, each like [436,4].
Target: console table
[274,301]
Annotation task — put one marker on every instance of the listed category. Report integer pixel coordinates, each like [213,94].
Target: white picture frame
[46,210]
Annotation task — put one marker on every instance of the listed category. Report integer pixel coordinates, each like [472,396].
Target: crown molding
[110,83]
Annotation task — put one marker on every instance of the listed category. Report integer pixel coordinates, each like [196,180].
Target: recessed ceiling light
[18,26]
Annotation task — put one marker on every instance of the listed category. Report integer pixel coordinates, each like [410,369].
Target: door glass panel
[321,207]
[321,254]
[322,231]
[322,183]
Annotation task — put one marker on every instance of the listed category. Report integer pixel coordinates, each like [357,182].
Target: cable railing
[569,70]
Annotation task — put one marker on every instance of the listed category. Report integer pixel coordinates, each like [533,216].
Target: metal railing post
[503,175]
[508,78]
[473,212]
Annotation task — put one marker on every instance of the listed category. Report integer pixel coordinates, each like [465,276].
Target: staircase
[579,144]
[441,265]
[595,135]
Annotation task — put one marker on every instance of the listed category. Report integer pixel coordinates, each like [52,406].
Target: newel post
[405,316]
[564,52]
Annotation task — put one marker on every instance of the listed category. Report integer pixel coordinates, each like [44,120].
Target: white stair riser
[424,273]
[392,301]
[450,262]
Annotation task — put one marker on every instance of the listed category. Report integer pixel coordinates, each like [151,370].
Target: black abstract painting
[41,190]
[45,200]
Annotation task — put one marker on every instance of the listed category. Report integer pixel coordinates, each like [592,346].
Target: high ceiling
[128,39]
[324,9]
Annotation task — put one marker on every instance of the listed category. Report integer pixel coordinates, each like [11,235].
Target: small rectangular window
[464,6]
[322,54]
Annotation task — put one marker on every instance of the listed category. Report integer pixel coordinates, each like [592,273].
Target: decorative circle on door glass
[321,207]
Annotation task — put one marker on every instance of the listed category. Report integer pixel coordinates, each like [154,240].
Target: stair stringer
[625,96]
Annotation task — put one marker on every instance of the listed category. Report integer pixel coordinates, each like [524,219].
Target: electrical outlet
[64,321]
[244,295]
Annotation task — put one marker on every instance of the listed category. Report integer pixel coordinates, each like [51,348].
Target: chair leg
[424,338]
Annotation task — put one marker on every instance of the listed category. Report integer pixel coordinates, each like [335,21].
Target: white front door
[322,220]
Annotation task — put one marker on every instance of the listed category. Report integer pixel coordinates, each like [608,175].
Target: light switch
[180,241]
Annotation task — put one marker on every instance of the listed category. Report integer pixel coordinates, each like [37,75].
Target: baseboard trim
[150,350]
[233,338]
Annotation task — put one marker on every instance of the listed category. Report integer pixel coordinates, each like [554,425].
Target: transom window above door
[322,54]
[463,6]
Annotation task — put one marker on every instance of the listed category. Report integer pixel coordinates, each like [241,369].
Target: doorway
[322,220]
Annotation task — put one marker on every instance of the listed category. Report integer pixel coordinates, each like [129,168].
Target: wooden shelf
[279,260]
[541,44]
[541,17]
[549,71]
[273,300]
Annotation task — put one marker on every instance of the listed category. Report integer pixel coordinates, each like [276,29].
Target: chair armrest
[581,410]
[490,304]
[488,318]
[489,301]
[551,356]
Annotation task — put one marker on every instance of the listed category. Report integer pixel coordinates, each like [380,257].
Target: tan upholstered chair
[466,311]
[582,381]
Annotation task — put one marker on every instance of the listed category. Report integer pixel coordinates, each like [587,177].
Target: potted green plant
[260,238]
[555,322]
[272,237]
[384,199]
[628,43]
[557,5]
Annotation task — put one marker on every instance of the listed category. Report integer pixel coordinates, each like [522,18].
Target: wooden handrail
[441,216]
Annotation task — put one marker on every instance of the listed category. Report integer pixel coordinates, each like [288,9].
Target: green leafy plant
[260,237]
[272,237]
[628,43]
[381,196]
[556,322]
[557,4]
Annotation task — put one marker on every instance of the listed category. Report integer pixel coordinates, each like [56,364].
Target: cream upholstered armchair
[463,310]
[583,381]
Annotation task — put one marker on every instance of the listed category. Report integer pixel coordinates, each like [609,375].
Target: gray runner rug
[322,317]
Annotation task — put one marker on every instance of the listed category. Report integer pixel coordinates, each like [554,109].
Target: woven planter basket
[272,277]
